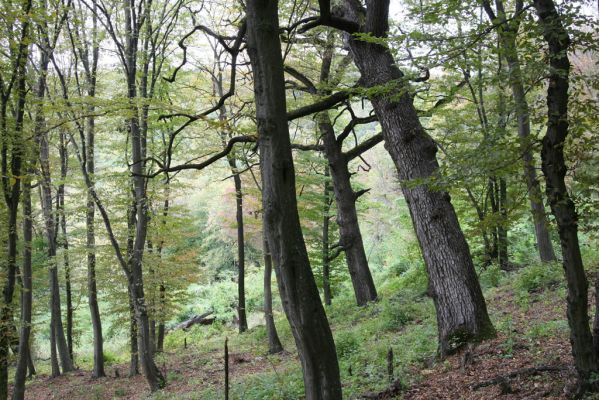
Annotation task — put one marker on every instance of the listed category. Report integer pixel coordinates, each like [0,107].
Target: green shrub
[538,276]
[346,343]
[491,276]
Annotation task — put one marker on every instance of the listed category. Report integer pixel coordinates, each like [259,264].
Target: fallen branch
[196,319]
[502,379]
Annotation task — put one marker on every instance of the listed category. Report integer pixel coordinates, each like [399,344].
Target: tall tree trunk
[64,165]
[243,324]
[562,206]
[297,286]
[92,288]
[26,298]
[461,310]
[347,216]
[350,237]
[138,140]
[12,190]
[133,349]
[502,243]
[326,261]
[160,334]
[48,213]
[507,34]
[274,343]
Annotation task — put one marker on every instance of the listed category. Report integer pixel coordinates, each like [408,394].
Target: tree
[87,48]
[13,87]
[507,32]
[297,287]
[584,345]
[461,310]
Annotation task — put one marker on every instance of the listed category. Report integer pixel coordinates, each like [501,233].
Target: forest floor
[529,359]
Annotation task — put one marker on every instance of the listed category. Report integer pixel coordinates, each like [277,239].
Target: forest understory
[531,352]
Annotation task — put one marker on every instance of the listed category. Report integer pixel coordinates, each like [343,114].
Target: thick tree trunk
[562,206]
[326,261]
[507,35]
[461,310]
[297,287]
[274,343]
[26,298]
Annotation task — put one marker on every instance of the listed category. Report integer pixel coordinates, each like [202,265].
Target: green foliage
[537,277]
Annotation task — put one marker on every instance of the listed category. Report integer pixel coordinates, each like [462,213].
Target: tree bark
[347,216]
[562,206]
[42,140]
[507,32]
[92,288]
[297,286]
[12,190]
[133,348]
[26,298]
[326,261]
[243,324]
[274,343]
[64,165]
[461,310]
[138,139]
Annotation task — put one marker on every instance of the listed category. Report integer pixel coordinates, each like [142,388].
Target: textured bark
[133,349]
[152,374]
[297,286]
[326,261]
[12,191]
[461,310]
[26,298]
[562,206]
[350,237]
[243,324]
[502,242]
[42,140]
[274,343]
[92,288]
[507,34]
[64,166]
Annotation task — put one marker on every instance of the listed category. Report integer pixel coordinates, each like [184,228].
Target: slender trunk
[160,334]
[92,288]
[507,36]
[297,286]
[243,324]
[26,298]
[461,310]
[274,343]
[134,356]
[326,262]
[502,243]
[562,206]
[64,165]
[42,139]
[350,237]
[12,191]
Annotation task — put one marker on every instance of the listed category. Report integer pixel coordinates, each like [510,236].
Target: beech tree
[297,287]
[584,342]
[13,88]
